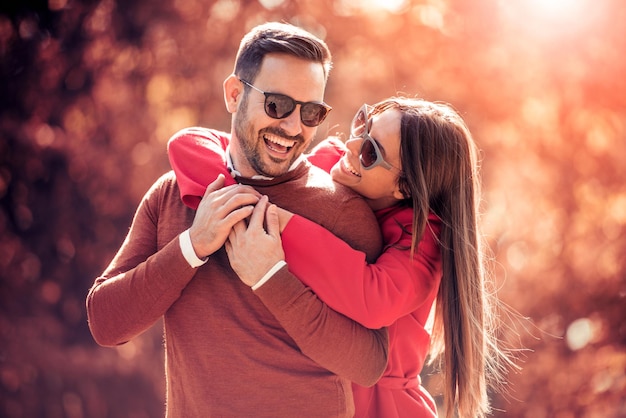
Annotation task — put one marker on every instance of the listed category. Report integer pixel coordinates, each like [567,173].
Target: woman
[416,164]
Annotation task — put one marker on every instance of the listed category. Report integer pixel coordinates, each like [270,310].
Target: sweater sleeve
[140,284]
[375,295]
[198,156]
[358,354]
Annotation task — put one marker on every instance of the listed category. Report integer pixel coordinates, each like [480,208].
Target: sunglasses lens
[278,106]
[358,124]
[368,153]
[313,114]
[359,129]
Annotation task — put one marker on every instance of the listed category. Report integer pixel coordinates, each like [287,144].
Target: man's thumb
[217,184]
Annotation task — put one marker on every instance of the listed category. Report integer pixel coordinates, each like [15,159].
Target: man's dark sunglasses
[279,106]
[370,154]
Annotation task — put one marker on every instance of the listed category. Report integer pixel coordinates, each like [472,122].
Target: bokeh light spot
[271,4]
[159,89]
[516,255]
[371,7]
[142,153]
[57,4]
[617,208]
[557,9]
[579,334]
[50,292]
[44,135]
[431,16]
[225,10]
[128,351]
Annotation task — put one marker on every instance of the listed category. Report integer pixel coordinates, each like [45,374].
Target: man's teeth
[280,141]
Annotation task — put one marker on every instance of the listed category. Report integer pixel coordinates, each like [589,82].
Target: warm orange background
[91,91]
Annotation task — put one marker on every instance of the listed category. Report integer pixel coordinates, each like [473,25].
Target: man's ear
[233,90]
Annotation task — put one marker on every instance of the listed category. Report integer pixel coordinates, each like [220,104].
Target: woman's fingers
[258,214]
[272,221]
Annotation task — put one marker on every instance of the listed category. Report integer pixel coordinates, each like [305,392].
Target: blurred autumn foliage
[91,90]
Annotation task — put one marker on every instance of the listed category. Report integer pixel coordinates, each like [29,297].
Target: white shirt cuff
[188,252]
[269,274]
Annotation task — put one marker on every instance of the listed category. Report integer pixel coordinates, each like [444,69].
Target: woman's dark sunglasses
[370,154]
[279,106]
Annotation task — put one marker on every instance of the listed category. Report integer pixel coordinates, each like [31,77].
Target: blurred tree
[91,90]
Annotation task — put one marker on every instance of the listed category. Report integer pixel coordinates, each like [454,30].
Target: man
[233,351]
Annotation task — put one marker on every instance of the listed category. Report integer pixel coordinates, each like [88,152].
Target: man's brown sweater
[278,351]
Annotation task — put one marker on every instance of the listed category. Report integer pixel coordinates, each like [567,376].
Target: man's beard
[251,145]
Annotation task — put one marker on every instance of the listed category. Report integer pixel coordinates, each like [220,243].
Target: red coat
[395,292]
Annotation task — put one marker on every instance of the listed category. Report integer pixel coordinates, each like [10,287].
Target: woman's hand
[252,250]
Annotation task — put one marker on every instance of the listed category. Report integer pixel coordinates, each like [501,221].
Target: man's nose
[292,123]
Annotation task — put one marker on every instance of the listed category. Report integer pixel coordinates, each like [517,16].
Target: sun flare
[552,19]
[557,9]
[373,6]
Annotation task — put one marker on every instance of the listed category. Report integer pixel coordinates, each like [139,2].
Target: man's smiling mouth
[278,143]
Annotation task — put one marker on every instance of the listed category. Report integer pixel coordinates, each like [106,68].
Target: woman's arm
[198,156]
[334,341]
[376,294]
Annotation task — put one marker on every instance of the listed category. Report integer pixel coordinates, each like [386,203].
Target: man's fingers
[236,231]
[231,197]
[239,200]
[233,189]
[238,228]
[228,246]
[258,214]
[219,192]
[234,217]
[220,203]
[215,185]
[273,224]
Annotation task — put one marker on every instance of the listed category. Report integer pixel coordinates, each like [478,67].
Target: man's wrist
[188,252]
[269,274]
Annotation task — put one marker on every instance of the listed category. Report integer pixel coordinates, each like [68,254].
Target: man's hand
[251,250]
[220,209]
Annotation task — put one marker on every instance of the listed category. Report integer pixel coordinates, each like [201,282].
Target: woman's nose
[354,144]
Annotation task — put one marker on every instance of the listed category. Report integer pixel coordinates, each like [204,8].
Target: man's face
[267,146]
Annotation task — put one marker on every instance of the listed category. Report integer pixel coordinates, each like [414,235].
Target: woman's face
[378,185]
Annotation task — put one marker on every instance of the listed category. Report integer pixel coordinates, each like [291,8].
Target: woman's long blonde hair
[440,174]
